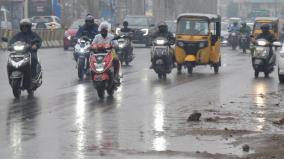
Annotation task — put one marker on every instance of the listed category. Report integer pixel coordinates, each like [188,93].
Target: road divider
[50,38]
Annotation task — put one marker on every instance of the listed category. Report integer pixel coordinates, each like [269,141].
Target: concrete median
[50,38]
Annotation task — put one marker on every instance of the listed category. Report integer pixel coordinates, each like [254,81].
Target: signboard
[40,7]
[148,7]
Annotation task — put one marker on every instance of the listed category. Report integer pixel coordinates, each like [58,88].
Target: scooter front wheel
[256,73]
[100,89]
[16,88]
[80,69]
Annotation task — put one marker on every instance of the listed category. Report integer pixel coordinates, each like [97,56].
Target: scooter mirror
[277,44]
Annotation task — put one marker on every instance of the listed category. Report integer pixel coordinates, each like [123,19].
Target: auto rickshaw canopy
[207,17]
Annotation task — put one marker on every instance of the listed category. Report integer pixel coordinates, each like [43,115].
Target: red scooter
[102,70]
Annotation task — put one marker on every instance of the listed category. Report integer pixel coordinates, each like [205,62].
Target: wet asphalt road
[146,118]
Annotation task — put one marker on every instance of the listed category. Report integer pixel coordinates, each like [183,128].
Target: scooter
[244,42]
[234,40]
[263,57]
[81,55]
[161,58]
[102,69]
[125,49]
[19,69]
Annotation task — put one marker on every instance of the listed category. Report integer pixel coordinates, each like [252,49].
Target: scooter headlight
[100,67]
[261,43]
[121,45]
[19,47]
[160,42]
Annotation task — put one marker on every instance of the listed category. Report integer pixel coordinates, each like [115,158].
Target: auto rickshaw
[271,21]
[198,41]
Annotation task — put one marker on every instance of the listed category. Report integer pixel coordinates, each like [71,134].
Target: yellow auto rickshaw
[198,41]
[271,21]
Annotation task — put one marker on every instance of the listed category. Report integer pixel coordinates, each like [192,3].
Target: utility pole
[26,8]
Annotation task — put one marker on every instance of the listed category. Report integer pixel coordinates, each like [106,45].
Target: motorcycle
[162,60]
[19,69]
[234,40]
[244,42]
[81,55]
[125,49]
[102,70]
[263,57]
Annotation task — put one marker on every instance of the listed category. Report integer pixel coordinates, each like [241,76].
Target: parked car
[71,32]
[142,26]
[46,22]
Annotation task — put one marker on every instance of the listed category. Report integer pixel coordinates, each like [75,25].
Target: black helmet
[26,23]
[265,27]
[89,19]
[163,27]
[125,23]
[244,23]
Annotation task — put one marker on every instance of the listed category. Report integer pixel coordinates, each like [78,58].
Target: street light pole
[26,8]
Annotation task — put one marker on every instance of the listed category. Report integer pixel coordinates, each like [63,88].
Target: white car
[280,59]
[46,22]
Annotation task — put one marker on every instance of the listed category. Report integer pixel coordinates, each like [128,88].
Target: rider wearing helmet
[28,36]
[89,29]
[105,37]
[164,32]
[234,28]
[266,34]
[125,28]
[245,29]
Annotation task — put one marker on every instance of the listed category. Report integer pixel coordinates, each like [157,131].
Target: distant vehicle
[233,20]
[224,34]
[46,22]
[5,23]
[71,32]
[143,26]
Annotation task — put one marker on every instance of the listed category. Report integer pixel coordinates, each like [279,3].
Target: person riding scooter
[89,29]
[244,40]
[164,32]
[28,36]
[233,29]
[267,35]
[105,37]
[125,28]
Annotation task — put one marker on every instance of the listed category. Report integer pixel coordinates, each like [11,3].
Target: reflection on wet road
[146,118]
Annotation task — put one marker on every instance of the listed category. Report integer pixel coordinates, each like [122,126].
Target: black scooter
[19,69]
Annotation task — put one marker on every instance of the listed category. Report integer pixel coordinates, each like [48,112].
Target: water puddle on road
[208,144]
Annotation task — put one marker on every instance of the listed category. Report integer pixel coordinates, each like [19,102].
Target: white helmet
[105,25]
